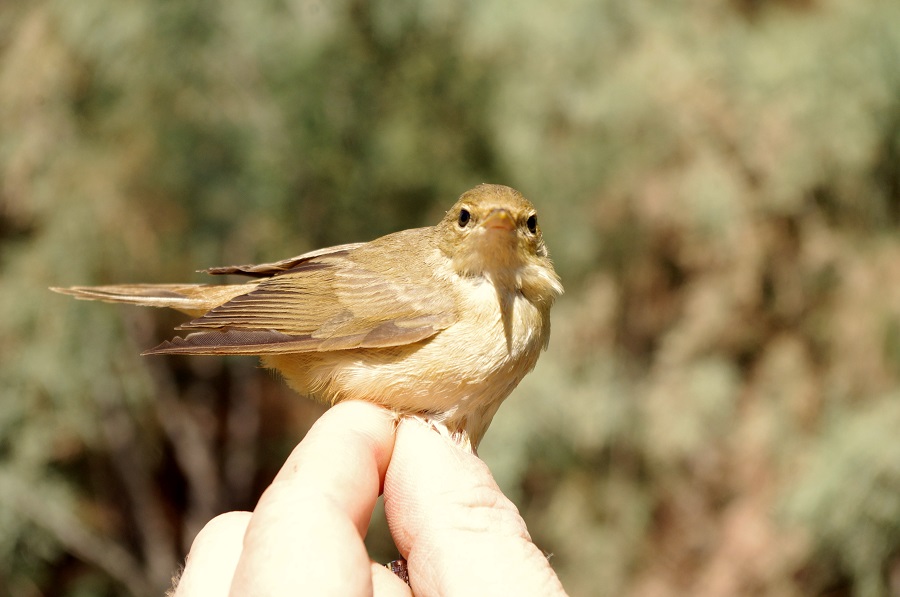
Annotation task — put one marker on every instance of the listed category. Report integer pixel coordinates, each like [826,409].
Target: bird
[438,323]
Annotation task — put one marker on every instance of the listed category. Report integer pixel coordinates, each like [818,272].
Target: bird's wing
[197,299]
[265,270]
[322,301]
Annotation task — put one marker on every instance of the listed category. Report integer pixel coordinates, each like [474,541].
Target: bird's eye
[531,222]
[464,217]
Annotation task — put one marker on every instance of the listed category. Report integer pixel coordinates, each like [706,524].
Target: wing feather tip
[164,348]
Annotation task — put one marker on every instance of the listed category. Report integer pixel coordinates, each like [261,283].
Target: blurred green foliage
[719,184]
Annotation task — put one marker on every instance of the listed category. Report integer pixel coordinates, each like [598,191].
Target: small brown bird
[440,323]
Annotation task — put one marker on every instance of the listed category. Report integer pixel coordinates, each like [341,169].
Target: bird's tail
[193,299]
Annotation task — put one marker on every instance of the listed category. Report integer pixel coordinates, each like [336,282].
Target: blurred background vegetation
[719,184]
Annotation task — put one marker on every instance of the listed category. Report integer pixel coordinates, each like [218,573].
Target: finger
[344,457]
[214,556]
[458,532]
[305,536]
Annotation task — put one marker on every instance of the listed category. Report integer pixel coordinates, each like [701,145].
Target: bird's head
[493,231]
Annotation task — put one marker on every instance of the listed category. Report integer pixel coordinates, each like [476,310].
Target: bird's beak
[500,219]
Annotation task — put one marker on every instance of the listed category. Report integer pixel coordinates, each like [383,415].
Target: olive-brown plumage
[440,322]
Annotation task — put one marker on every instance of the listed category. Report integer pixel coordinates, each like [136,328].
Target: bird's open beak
[500,219]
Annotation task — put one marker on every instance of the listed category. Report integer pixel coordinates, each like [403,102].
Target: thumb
[459,533]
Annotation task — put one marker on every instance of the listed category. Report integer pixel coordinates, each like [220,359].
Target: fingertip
[353,428]
[214,556]
[455,527]
[308,526]
[432,479]
[225,524]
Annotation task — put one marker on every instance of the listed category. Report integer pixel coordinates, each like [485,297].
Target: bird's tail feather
[193,299]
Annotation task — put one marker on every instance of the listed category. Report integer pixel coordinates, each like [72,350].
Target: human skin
[458,532]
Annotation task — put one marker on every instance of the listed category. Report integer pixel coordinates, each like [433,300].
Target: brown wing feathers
[247,342]
[321,300]
[316,306]
[265,270]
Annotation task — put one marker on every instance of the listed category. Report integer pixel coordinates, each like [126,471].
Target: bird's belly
[463,371]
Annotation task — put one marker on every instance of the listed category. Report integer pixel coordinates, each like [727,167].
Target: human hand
[460,535]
